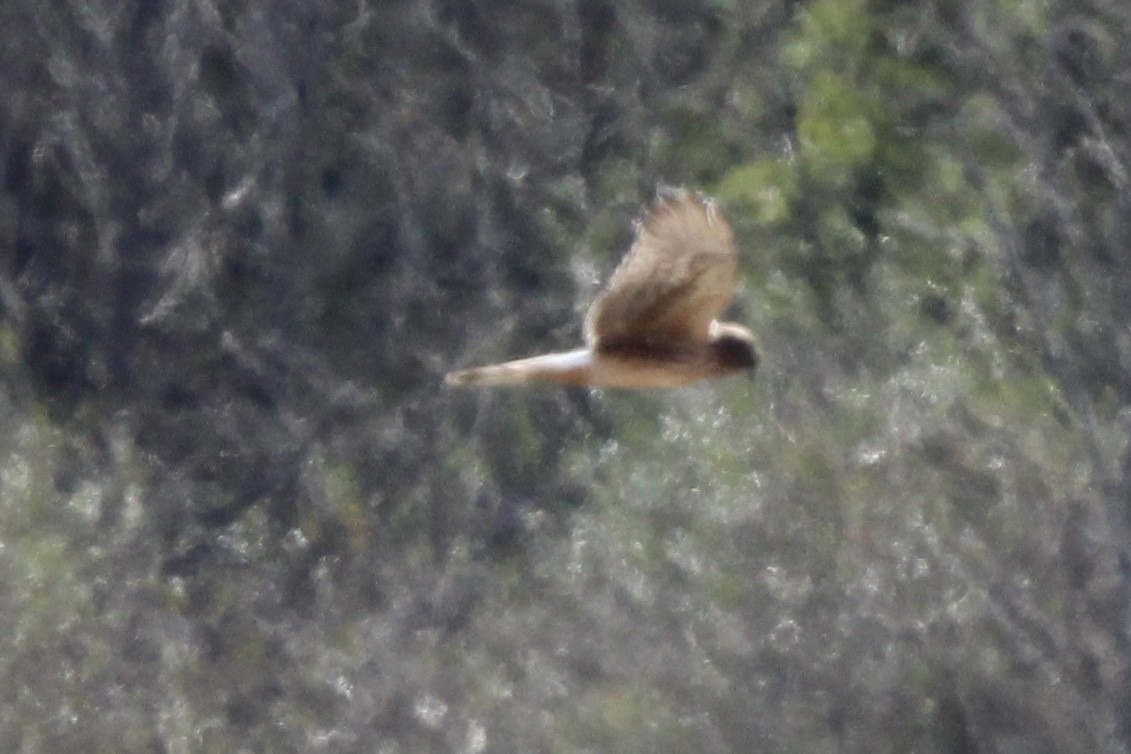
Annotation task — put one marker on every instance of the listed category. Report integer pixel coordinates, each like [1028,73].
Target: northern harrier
[655,325]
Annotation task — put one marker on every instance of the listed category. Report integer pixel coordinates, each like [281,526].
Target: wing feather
[678,276]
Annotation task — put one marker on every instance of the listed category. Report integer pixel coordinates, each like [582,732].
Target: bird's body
[655,325]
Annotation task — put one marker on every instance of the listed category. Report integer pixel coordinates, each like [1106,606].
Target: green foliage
[834,128]
[760,193]
[238,509]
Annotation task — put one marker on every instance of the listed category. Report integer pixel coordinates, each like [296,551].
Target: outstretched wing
[678,276]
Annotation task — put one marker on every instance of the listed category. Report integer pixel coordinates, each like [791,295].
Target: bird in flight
[656,324]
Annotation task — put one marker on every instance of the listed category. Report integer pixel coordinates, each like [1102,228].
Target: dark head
[733,347]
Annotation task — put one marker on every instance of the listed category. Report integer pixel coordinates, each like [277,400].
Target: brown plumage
[655,325]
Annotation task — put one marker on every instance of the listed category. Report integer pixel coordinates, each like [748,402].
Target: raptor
[656,324]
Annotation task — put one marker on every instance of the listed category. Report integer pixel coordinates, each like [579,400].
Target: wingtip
[666,192]
[673,199]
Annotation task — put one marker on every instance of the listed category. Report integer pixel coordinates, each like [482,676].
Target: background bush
[242,242]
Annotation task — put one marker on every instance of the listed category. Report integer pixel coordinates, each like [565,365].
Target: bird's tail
[567,368]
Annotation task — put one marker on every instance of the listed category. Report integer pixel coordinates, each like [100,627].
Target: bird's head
[734,347]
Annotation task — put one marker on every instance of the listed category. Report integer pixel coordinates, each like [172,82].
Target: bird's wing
[678,276]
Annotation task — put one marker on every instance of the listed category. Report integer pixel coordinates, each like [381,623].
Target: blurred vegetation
[243,242]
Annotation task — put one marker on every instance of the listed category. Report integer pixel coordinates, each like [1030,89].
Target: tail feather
[569,368]
[499,374]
